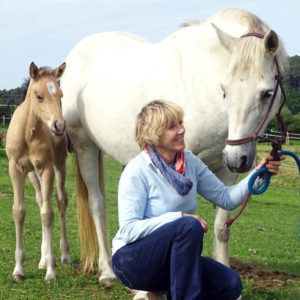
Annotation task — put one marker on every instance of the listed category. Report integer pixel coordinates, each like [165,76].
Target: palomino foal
[36,145]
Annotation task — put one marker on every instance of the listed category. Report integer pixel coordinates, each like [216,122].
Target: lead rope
[266,175]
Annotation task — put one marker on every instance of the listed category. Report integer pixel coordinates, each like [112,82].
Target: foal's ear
[226,40]
[33,71]
[271,42]
[58,72]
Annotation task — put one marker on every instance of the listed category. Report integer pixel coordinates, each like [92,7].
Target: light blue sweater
[146,200]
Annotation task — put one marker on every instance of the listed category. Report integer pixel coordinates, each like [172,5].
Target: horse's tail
[87,231]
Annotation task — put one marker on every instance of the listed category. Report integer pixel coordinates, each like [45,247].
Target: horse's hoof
[144,295]
[65,260]
[107,281]
[18,278]
[42,267]
[50,277]
[42,264]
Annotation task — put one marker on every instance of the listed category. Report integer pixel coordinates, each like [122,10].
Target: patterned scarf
[176,177]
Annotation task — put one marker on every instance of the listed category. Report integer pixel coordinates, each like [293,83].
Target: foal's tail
[87,231]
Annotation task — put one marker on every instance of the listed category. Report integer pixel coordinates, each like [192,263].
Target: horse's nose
[243,160]
[239,159]
[59,127]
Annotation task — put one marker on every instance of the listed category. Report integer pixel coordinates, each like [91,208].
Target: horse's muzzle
[58,128]
[239,159]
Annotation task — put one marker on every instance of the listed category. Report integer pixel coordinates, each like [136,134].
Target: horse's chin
[55,132]
[242,169]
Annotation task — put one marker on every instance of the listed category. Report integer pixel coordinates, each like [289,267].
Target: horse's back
[109,76]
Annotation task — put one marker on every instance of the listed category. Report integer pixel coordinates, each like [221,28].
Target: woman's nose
[181,129]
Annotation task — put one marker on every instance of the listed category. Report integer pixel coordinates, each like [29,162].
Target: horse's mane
[251,52]
[24,89]
[43,71]
[190,23]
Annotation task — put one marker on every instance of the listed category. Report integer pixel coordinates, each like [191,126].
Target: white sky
[44,31]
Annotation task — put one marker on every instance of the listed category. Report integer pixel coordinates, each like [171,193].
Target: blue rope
[267,175]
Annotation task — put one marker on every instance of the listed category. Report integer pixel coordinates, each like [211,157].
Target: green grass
[267,234]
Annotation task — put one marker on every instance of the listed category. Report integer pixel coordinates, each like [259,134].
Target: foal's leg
[47,216]
[221,251]
[39,200]
[88,164]
[62,200]
[18,181]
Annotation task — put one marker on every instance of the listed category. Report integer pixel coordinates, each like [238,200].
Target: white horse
[223,81]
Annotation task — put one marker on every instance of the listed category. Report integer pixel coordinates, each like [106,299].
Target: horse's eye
[266,94]
[223,90]
[39,97]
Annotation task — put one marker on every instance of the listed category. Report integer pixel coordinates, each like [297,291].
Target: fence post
[3,120]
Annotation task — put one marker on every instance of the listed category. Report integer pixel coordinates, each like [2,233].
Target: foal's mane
[24,89]
[42,72]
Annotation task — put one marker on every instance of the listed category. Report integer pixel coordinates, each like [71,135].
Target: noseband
[254,136]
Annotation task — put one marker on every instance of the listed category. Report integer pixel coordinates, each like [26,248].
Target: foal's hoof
[107,281]
[18,278]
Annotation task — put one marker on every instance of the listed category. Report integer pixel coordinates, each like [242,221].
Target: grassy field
[266,235]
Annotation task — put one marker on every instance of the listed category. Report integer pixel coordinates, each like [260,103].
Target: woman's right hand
[197,217]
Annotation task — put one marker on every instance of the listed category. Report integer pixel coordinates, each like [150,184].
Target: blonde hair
[154,118]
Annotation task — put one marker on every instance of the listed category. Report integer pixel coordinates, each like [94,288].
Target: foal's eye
[38,96]
[266,94]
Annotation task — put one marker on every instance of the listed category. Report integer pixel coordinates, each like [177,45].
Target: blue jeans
[169,260]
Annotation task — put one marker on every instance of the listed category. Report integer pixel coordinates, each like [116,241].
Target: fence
[290,135]
[6,112]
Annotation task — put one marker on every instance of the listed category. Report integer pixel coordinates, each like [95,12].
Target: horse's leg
[47,217]
[62,199]
[221,251]
[88,159]
[18,181]
[39,200]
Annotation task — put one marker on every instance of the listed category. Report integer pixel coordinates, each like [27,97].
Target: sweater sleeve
[132,201]
[213,189]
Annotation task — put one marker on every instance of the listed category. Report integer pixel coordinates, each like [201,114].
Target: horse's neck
[198,50]
[32,122]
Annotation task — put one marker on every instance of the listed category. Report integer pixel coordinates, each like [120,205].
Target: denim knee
[191,226]
[234,286]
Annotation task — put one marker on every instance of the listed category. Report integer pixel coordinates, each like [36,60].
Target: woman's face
[172,139]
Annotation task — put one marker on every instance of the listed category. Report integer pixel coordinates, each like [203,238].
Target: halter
[254,136]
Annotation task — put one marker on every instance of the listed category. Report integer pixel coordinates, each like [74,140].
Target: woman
[159,243]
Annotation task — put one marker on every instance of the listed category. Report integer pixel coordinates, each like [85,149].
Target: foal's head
[45,96]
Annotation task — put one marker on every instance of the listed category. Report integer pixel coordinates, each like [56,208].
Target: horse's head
[45,96]
[251,89]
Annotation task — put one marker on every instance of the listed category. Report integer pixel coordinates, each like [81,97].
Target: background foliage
[291,85]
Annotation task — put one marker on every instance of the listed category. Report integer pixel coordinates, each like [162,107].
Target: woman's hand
[271,164]
[202,222]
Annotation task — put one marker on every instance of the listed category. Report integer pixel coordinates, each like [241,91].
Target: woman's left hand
[271,164]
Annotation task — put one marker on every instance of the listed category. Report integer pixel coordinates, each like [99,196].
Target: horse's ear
[33,71]
[58,72]
[227,40]
[271,42]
